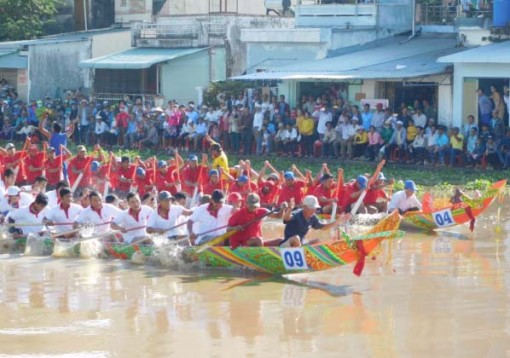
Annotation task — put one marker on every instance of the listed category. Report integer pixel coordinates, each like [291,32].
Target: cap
[362,181]
[98,116]
[51,149]
[273,176]
[243,179]
[253,200]
[311,202]
[81,148]
[193,158]
[326,176]
[13,191]
[140,171]
[234,197]
[218,196]
[381,176]
[213,172]
[162,163]
[289,176]
[400,122]
[165,195]
[410,185]
[9,146]
[95,165]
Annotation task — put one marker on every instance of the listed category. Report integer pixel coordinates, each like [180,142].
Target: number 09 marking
[294,259]
[443,218]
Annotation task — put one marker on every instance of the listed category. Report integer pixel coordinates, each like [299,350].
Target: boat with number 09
[442,213]
[308,258]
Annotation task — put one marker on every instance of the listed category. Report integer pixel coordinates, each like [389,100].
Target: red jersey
[209,187]
[145,184]
[374,194]
[191,175]
[122,120]
[345,199]
[320,191]
[8,164]
[82,163]
[243,190]
[254,229]
[35,161]
[166,181]
[100,178]
[126,173]
[295,191]
[267,191]
[54,169]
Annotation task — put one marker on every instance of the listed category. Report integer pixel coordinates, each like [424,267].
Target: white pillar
[445,107]
[458,88]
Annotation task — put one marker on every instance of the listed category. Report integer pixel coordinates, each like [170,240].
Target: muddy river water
[423,296]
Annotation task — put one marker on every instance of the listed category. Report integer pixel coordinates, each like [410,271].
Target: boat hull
[455,215]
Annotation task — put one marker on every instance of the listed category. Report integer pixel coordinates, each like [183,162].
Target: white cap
[13,191]
[311,202]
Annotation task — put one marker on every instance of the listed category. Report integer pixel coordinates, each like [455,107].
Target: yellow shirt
[306,126]
[457,144]
[221,162]
[412,131]
[361,138]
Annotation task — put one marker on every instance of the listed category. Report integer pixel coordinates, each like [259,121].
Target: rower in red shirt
[242,187]
[125,175]
[244,221]
[33,163]
[143,181]
[165,179]
[13,160]
[100,174]
[54,165]
[81,164]
[350,194]
[376,199]
[325,193]
[291,189]
[191,175]
[214,182]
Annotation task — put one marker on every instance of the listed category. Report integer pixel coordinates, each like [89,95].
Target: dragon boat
[443,214]
[276,260]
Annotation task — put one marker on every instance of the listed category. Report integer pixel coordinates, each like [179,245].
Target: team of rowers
[180,199]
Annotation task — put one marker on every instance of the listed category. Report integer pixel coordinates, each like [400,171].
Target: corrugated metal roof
[415,58]
[12,60]
[138,58]
[494,53]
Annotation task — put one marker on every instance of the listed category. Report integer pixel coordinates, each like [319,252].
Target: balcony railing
[450,15]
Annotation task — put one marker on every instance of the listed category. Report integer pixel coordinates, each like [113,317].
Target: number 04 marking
[294,259]
[443,218]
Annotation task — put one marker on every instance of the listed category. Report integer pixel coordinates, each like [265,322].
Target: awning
[12,59]
[494,53]
[138,58]
[390,61]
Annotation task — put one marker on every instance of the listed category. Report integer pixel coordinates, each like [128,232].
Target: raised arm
[43,130]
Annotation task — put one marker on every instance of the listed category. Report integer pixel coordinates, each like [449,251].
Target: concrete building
[397,70]
[480,67]
[49,66]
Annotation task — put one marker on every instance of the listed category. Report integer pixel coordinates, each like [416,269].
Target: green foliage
[26,19]
[227,87]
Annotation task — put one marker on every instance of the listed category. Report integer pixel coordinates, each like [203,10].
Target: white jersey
[25,215]
[52,198]
[59,215]
[203,221]
[129,221]
[401,201]
[156,221]
[6,207]
[101,219]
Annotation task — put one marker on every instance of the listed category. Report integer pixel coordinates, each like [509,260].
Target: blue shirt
[442,140]
[298,225]
[366,118]
[56,140]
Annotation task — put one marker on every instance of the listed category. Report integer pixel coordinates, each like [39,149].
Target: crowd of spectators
[263,124]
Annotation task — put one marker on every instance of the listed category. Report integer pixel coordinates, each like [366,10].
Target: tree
[25,19]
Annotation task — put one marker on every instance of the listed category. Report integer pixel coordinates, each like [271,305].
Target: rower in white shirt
[405,200]
[133,222]
[65,212]
[166,217]
[211,218]
[9,180]
[53,195]
[30,217]
[98,214]
[14,199]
